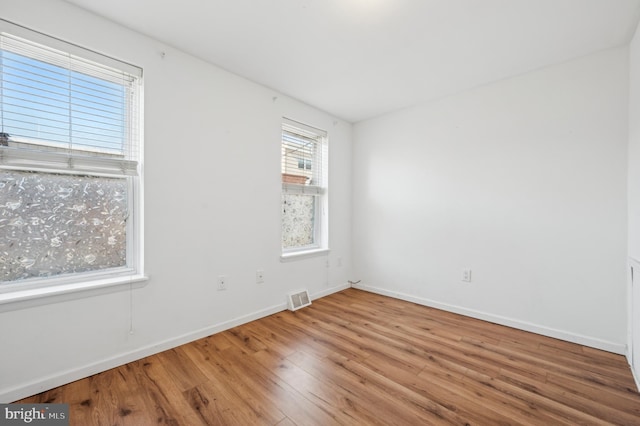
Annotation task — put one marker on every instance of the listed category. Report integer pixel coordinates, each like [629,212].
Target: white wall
[524,182]
[202,217]
[634,204]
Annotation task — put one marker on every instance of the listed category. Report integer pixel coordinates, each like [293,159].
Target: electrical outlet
[466,275]
[222,282]
[259,276]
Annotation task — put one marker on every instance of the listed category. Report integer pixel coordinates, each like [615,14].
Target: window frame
[319,190]
[26,292]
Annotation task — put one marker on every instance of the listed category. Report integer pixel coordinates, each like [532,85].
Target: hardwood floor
[360,358]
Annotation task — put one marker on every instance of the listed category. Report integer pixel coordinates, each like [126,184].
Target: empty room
[318,212]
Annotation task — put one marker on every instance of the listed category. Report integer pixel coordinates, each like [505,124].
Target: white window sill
[20,299]
[303,254]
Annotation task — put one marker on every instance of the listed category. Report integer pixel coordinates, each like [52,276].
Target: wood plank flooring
[356,358]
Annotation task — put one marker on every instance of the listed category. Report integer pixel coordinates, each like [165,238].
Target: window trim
[35,291]
[65,290]
[299,254]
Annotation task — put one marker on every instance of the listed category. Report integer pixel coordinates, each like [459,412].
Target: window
[304,164]
[69,163]
[304,188]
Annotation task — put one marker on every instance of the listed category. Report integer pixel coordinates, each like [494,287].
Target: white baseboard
[636,378]
[634,265]
[509,322]
[330,290]
[55,380]
[636,374]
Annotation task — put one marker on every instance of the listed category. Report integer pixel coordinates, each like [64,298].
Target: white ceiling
[358,59]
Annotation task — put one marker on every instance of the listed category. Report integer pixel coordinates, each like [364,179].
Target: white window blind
[303,158]
[64,112]
[70,148]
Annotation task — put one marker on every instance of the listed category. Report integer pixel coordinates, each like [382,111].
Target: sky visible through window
[44,102]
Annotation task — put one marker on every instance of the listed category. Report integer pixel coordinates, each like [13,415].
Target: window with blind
[304,187]
[69,162]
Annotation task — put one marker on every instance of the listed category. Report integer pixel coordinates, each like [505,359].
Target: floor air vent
[299,300]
